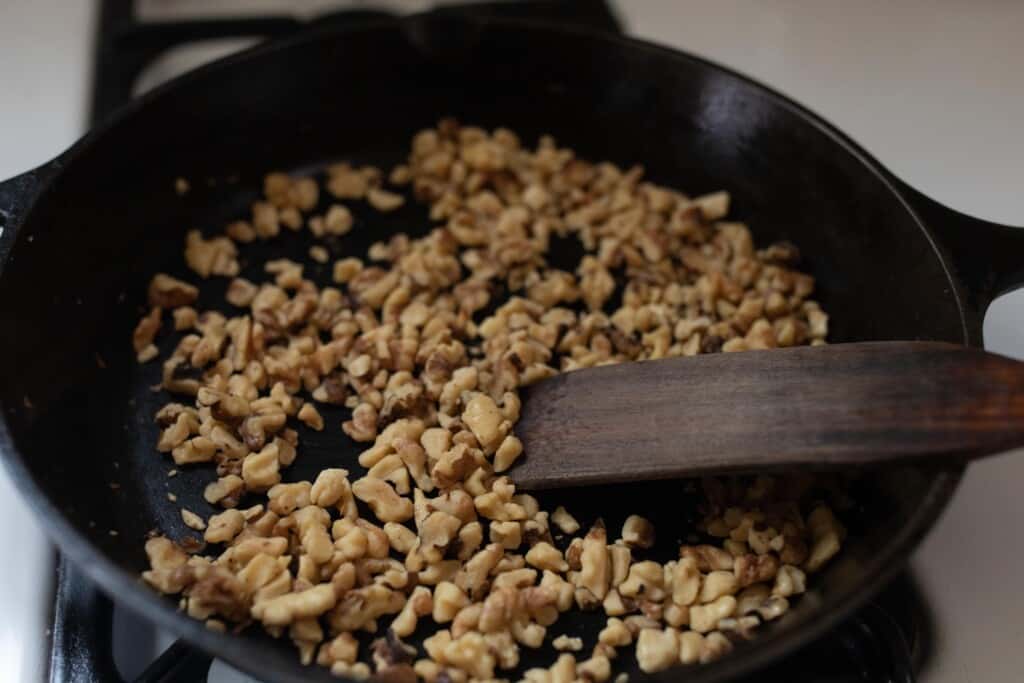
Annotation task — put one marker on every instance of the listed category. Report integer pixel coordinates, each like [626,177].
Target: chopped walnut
[657,650]
[566,643]
[310,416]
[168,292]
[217,256]
[428,340]
[638,532]
[145,332]
[382,200]
[319,254]
[566,523]
[241,292]
[192,520]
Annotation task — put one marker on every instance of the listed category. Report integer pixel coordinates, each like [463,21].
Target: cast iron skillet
[82,233]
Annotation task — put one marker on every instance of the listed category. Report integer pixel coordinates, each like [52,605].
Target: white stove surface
[931,88]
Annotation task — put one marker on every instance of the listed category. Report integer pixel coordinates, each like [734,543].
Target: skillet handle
[988,258]
[17,195]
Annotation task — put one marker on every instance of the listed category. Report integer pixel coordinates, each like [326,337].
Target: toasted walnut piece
[773,608]
[752,569]
[448,600]
[704,618]
[675,615]
[260,470]
[382,200]
[471,654]
[789,581]
[713,206]
[545,556]
[217,256]
[400,175]
[168,574]
[620,558]
[266,220]
[472,576]
[240,231]
[427,670]
[284,499]
[656,649]
[714,646]
[516,578]
[225,490]
[691,644]
[484,418]
[198,449]
[338,220]
[401,538]
[360,671]
[224,526]
[284,609]
[319,253]
[192,520]
[168,292]
[708,557]
[507,453]
[241,292]
[565,643]
[597,669]
[311,417]
[145,332]
[470,537]
[566,523]
[363,425]
[185,425]
[563,590]
[686,581]
[346,269]
[595,574]
[290,218]
[716,584]
[185,318]
[615,633]
[638,532]
[360,607]
[645,580]
[573,554]
[330,487]
[507,534]
[387,505]
[344,182]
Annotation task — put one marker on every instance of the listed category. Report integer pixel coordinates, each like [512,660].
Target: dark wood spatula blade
[815,407]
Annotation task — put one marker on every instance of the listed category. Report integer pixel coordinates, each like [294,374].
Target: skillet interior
[73,287]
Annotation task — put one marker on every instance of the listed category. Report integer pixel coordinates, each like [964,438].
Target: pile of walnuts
[427,341]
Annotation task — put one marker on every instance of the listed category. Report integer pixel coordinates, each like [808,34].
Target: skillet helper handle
[988,258]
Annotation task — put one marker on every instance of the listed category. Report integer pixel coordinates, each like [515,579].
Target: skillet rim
[238,651]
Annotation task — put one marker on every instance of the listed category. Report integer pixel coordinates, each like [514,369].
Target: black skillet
[82,233]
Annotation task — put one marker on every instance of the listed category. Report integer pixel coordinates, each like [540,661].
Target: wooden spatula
[810,407]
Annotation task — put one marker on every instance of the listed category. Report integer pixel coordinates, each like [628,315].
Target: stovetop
[95,640]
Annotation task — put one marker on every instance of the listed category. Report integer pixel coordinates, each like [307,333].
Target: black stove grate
[886,642]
